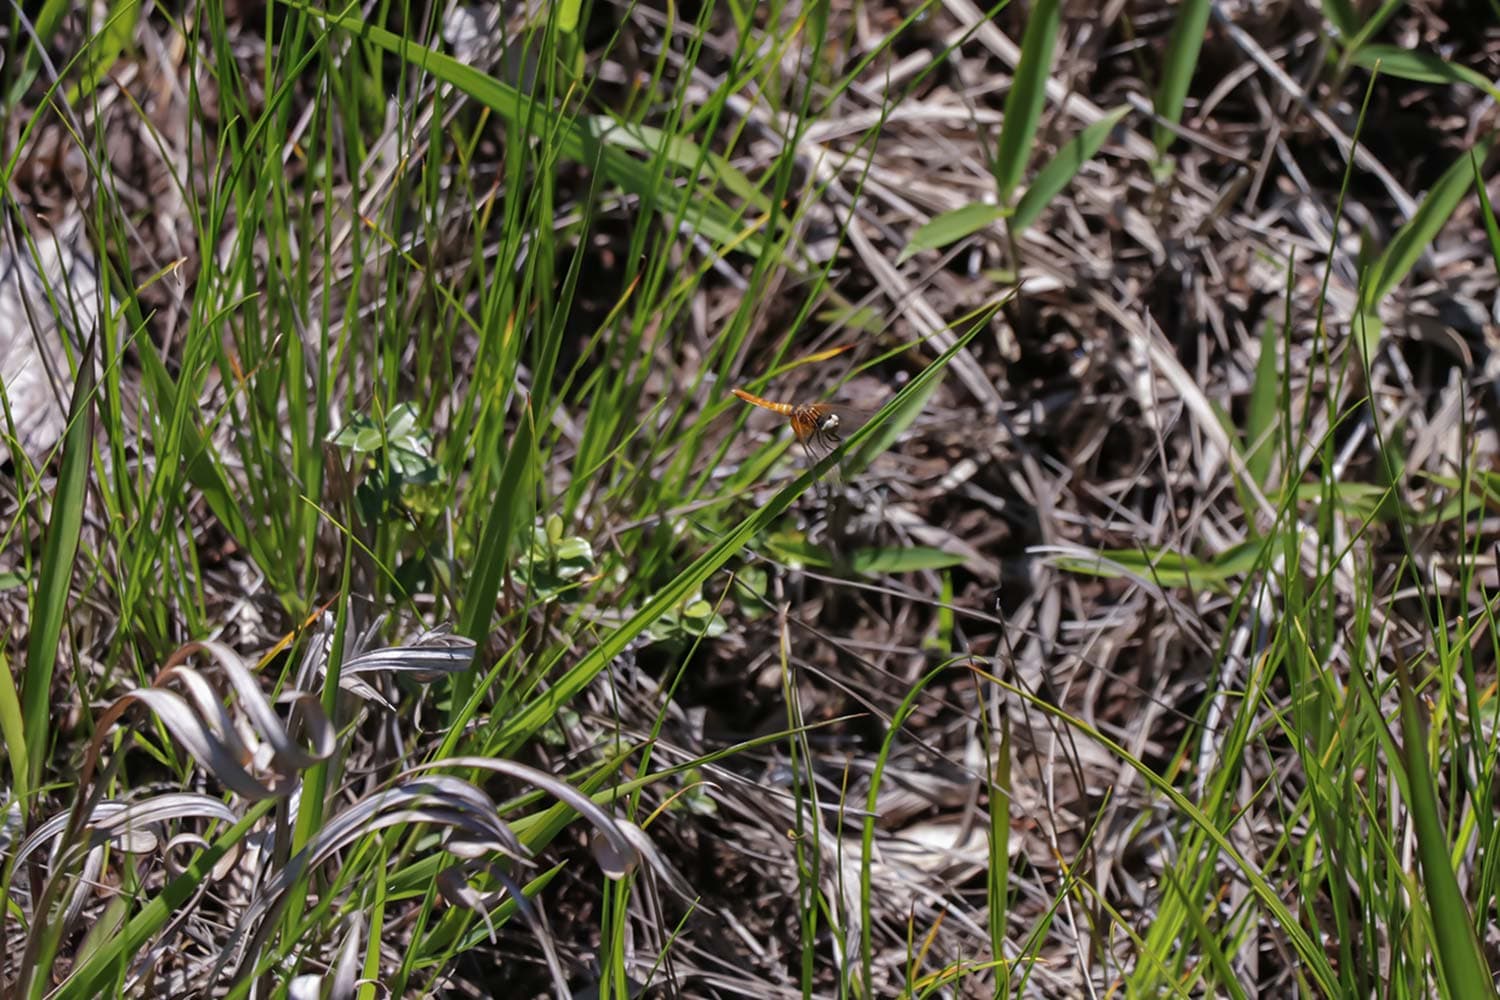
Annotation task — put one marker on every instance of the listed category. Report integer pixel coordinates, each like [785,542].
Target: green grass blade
[13,732]
[1376,21]
[1423,67]
[1052,179]
[950,227]
[1181,61]
[106,45]
[1413,238]
[1264,409]
[195,455]
[876,561]
[509,513]
[1486,211]
[88,979]
[1457,944]
[55,578]
[1028,95]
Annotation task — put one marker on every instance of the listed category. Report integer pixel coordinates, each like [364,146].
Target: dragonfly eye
[829,424]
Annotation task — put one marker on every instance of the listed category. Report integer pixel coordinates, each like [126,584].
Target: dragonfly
[818,427]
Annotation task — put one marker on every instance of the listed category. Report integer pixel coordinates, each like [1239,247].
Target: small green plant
[555,564]
[394,463]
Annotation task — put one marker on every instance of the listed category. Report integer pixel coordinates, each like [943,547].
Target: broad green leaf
[1059,173]
[1181,61]
[1423,67]
[1028,95]
[950,227]
[795,550]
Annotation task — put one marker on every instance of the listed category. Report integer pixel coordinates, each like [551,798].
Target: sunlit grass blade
[950,227]
[1457,945]
[49,607]
[1180,64]
[1486,211]
[1423,67]
[1027,97]
[1412,239]
[1053,179]
[13,732]
[1261,445]
[510,513]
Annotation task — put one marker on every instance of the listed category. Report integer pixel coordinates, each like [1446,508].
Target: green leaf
[1486,212]
[45,24]
[911,407]
[794,550]
[1261,418]
[55,578]
[950,227]
[1423,67]
[1455,943]
[510,509]
[1059,173]
[903,560]
[1413,238]
[1028,95]
[13,732]
[1168,568]
[1181,62]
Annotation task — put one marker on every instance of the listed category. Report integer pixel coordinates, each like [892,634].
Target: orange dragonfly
[818,427]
